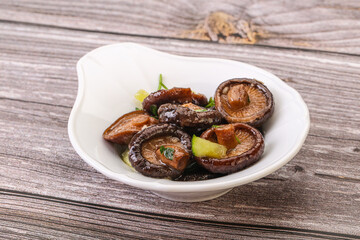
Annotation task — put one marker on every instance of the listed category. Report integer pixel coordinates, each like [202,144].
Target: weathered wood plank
[70,219]
[38,87]
[325,25]
[319,77]
[308,189]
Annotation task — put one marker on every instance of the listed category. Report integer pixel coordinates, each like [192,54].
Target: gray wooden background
[47,191]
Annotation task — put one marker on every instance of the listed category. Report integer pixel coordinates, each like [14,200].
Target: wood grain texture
[27,216]
[327,25]
[317,191]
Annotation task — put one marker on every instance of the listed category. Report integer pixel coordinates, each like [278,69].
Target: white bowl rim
[179,186]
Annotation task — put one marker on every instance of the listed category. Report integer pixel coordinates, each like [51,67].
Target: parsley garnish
[161,84]
[211,103]
[137,109]
[237,139]
[153,110]
[162,149]
[215,126]
[167,152]
[200,110]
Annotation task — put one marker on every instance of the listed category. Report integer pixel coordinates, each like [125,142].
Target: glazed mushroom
[173,95]
[189,115]
[160,151]
[245,101]
[125,127]
[244,145]
[194,172]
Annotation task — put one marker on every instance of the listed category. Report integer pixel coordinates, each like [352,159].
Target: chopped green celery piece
[205,148]
[237,139]
[211,103]
[141,95]
[125,158]
[161,84]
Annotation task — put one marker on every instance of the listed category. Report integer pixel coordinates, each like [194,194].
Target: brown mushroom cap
[247,152]
[189,115]
[173,95]
[144,151]
[125,127]
[245,101]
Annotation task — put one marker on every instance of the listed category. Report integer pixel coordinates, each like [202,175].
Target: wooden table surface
[48,191]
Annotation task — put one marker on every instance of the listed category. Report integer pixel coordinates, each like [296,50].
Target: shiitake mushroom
[244,100]
[174,95]
[244,144]
[236,100]
[189,115]
[194,172]
[125,127]
[160,151]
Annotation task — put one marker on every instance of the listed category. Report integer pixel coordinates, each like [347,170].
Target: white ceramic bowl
[109,77]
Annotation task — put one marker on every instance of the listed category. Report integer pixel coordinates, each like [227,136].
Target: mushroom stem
[226,136]
[179,157]
[238,97]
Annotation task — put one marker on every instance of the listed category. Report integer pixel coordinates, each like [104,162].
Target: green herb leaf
[200,110]
[137,109]
[161,84]
[153,110]
[211,103]
[237,139]
[162,149]
[167,152]
[215,126]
